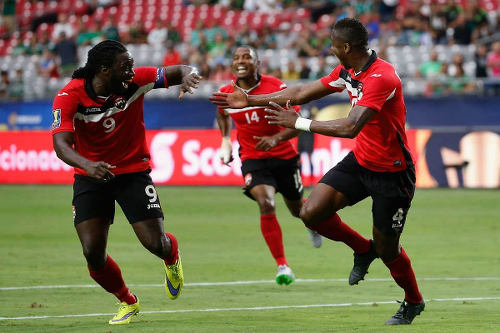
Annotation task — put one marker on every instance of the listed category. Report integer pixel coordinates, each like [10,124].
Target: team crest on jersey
[120,102]
[248,179]
[57,119]
[360,90]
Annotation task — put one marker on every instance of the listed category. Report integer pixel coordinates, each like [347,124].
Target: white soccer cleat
[284,275]
[315,238]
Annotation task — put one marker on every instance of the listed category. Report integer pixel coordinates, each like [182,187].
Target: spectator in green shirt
[430,68]
[87,36]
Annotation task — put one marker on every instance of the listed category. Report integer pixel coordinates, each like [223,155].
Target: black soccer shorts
[283,175]
[391,192]
[134,192]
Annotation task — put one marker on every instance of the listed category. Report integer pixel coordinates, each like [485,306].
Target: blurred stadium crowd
[439,47]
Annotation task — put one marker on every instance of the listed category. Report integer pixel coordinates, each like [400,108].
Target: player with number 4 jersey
[99,129]
[270,163]
[380,166]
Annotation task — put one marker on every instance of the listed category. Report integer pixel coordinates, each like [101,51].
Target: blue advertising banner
[434,113]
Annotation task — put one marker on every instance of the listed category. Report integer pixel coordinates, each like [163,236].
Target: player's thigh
[255,173]
[151,234]
[392,194]
[92,199]
[138,198]
[322,203]
[93,234]
[345,177]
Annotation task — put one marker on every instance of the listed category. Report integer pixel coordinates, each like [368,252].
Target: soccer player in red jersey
[380,166]
[270,163]
[99,129]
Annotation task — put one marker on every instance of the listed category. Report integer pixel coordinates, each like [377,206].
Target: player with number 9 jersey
[109,128]
[98,128]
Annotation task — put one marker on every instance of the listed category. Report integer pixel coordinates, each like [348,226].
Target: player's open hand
[278,115]
[189,82]
[236,100]
[265,143]
[100,170]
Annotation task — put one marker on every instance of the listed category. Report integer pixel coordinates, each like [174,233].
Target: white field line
[256,308]
[231,283]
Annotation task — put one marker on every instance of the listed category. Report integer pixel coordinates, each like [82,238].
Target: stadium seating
[407,59]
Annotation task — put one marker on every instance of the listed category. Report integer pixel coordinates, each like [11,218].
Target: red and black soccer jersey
[108,129]
[250,122]
[381,145]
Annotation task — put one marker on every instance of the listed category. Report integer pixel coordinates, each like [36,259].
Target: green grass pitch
[451,236]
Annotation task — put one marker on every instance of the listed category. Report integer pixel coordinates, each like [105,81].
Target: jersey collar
[90,91]
[252,88]
[370,61]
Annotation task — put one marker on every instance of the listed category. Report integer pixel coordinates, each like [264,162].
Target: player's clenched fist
[100,170]
[225,152]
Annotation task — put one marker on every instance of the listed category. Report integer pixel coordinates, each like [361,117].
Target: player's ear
[347,48]
[104,69]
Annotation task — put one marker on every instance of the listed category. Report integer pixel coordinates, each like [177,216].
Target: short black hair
[101,55]
[251,48]
[352,31]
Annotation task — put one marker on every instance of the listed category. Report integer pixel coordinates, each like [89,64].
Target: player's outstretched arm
[347,127]
[186,76]
[297,95]
[63,145]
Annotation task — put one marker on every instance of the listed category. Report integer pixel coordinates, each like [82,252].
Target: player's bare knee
[158,247]
[96,259]
[266,206]
[308,215]
[386,250]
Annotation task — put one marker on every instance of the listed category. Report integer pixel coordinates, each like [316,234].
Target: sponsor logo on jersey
[57,119]
[63,94]
[91,110]
[153,205]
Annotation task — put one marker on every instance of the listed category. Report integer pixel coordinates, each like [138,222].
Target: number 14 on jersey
[252,117]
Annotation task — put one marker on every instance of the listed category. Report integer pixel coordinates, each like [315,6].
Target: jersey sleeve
[147,75]
[376,90]
[63,110]
[333,81]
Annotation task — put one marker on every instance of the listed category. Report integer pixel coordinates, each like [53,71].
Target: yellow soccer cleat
[174,278]
[125,313]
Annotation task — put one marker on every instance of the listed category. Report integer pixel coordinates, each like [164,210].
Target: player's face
[338,49]
[245,63]
[122,73]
